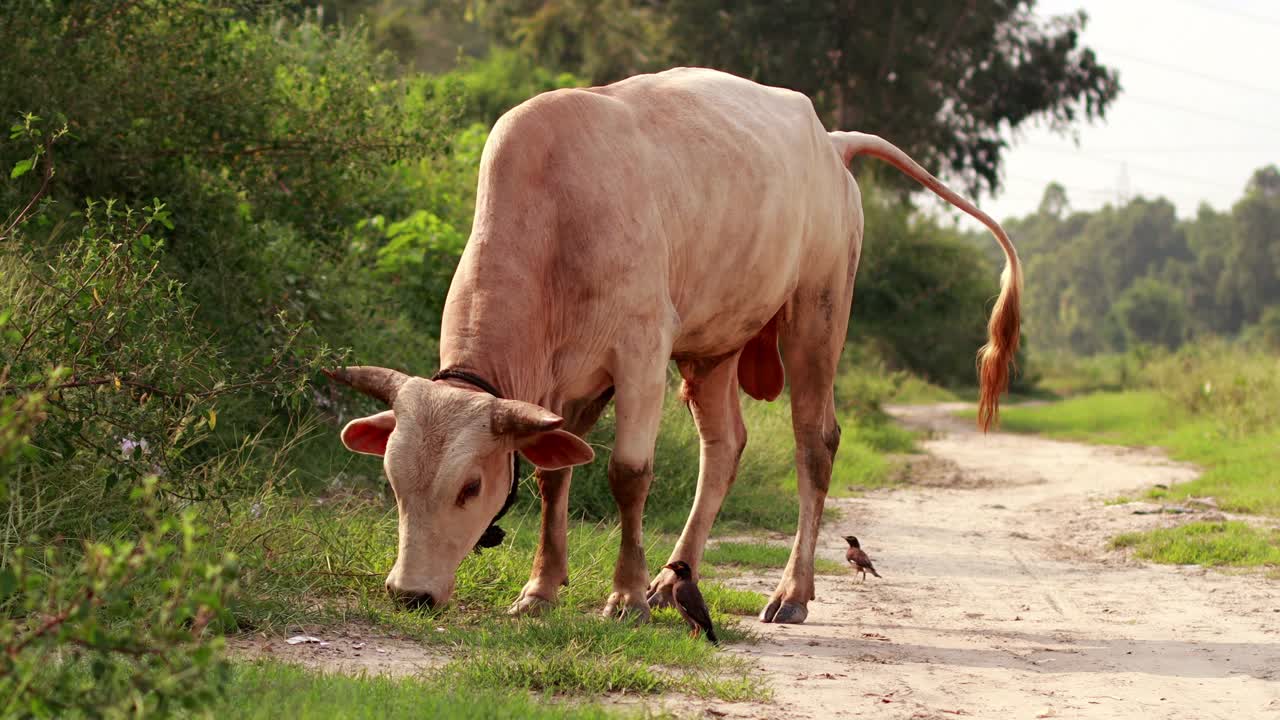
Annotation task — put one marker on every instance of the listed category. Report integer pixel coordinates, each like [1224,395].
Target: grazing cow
[688,215]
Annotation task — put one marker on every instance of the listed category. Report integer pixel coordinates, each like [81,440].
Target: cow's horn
[376,382]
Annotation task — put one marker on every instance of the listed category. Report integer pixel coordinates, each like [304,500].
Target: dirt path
[1000,599]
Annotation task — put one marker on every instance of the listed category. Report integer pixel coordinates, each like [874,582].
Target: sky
[1198,112]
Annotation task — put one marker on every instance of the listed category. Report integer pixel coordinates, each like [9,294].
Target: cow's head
[447,453]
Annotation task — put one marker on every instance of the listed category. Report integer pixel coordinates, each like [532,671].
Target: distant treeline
[1122,277]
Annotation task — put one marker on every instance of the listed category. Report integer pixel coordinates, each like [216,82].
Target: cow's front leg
[551,562]
[712,393]
[639,413]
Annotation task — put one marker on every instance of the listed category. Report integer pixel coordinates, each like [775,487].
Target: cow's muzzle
[411,600]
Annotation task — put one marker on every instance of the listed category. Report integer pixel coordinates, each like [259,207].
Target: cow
[688,215]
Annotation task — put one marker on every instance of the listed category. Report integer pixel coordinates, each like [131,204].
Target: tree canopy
[946,82]
[1136,274]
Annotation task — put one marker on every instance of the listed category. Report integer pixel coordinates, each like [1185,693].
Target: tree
[945,81]
[1213,305]
[1151,312]
[1054,203]
[1253,266]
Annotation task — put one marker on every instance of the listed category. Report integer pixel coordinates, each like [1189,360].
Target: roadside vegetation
[1212,403]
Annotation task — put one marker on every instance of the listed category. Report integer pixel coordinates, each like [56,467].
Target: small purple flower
[128,445]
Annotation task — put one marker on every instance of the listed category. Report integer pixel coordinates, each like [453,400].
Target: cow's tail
[1003,330]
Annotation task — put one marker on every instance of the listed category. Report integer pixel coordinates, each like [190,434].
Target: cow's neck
[494,326]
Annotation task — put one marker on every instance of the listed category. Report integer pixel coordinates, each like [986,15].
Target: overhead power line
[1175,149]
[1164,172]
[1196,111]
[1273,91]
[1217,7]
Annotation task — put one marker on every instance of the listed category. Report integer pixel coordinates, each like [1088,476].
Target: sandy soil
[1000,599]
[351,649]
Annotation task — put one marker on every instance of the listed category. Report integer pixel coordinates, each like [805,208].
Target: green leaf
[22,168]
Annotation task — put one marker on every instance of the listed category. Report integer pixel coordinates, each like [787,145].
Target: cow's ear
[368,435]
[534,431]
[556,449]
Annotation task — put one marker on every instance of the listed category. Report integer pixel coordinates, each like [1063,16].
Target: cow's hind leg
[551,561]
[711,389]
[812,339]
[640,384]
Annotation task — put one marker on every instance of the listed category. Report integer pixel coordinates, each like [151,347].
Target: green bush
[114,629]
[127,384]
[1235,385]
[269,137]
[110,397]
[506,78]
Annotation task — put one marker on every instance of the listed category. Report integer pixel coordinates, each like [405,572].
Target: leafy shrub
[923,292]
[1235,384]
[110,396]
[269,137]
[1150,311]
[506,78]
[114,629]
[127,384]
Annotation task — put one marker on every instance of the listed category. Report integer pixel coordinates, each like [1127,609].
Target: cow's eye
[470,490]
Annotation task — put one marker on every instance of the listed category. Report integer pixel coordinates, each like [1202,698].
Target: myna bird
[688,600]
[858,559]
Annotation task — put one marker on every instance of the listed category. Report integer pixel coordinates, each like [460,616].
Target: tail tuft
[995,359]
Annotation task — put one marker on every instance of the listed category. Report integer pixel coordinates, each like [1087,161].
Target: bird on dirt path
[858,559]
[688,600]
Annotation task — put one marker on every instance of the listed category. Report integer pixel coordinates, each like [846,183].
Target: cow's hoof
[660,590]
[784,613]
[625,606]
[530,606]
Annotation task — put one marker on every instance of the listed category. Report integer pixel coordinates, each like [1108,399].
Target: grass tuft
[1206,543]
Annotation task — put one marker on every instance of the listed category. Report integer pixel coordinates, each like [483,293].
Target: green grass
[1123,418]
[1241,469]
[323,564]
[762,555]
[268,691]
[917,391]
[1206,543]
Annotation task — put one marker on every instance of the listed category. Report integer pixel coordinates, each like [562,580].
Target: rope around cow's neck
[493,534]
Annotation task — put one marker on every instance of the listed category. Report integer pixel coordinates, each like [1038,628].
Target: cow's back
[692,191]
